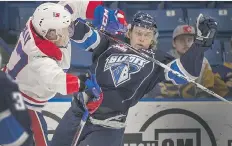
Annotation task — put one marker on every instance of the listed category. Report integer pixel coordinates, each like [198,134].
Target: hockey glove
[92,96]
[93,89]
[206,28]
[111,21]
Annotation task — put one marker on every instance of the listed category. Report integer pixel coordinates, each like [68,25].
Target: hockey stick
[144,55]
[82,123]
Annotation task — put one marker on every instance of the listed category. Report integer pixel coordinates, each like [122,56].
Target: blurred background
[168,15]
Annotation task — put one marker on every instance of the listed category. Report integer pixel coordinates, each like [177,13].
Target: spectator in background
[183,38]
[223,75]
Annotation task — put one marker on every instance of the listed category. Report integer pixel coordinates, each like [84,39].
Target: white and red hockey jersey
[81,9]
[37,65]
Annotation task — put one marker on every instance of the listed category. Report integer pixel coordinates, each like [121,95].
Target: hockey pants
[92,135]
[39,128]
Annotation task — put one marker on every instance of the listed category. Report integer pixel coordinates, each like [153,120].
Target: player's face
[141,38]
[182,43]
[63,37]
[58,38]
[51,35]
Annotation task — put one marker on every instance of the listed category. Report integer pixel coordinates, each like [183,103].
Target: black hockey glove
[83,78]
[206,29]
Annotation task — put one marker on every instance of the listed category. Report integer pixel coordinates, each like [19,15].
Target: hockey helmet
[144,20]
[51,16]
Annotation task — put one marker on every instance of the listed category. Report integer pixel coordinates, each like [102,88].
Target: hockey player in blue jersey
[125,77]
[13,114]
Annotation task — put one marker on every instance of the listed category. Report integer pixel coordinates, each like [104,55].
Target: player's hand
[206,28]
[111,21]
[92,94]
[88,103]
[93,90]
[88,84]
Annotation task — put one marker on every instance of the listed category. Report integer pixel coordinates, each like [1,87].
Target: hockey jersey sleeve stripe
[12,133]
[95,43]
[90,40]
[65,70]
[19,141]
[34,101]
[73,83]
[176,65]
[33,105]
[69,8]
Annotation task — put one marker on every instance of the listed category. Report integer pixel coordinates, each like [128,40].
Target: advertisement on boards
[174,123]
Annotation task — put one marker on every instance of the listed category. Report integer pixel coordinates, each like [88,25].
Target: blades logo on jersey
[121,66]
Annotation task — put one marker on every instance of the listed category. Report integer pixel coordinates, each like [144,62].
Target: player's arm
[9,125]
[51,76]
[190,63]
[81,9]
[87,39]
[84,37]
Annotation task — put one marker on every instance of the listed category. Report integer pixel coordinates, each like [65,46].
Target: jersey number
[19,103]
[22,62]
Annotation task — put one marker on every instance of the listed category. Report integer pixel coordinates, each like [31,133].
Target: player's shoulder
[163,57]
[7,82]
[3,76]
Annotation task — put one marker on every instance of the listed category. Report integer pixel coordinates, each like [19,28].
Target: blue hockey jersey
[125,77]
[13,114]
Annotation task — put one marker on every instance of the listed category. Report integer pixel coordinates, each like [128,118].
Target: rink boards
[166,122]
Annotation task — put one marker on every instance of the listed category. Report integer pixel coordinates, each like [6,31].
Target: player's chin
[138,47]
[62,42]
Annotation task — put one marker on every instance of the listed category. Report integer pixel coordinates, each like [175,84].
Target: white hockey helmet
[50,16]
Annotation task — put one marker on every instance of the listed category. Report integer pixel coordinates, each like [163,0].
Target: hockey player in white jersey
[39,61]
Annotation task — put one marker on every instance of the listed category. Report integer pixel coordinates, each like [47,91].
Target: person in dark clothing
[125,77]
[14,117]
